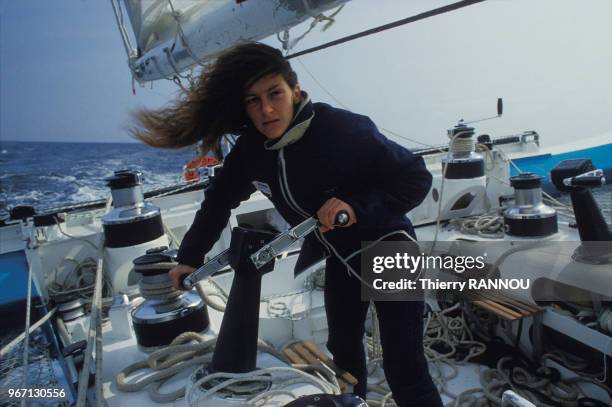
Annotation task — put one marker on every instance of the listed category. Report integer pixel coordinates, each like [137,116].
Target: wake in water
[47,175]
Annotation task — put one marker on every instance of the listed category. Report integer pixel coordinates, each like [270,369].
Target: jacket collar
[301,120]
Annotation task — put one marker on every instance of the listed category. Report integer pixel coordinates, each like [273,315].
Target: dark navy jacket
[340,154]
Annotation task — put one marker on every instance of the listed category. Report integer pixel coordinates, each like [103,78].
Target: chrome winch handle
[282,242]
[212,266]
[264,255]
[593,178]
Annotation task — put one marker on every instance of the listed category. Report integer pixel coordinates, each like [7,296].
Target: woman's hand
[176,273]
[327,214]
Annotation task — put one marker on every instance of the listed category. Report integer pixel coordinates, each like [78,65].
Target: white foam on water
[67,178]
[155,181]
[89,193]
[35,197]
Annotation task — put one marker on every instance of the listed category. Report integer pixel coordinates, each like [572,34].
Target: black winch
[462,161]
[529,216]
[167,312]
[132,221]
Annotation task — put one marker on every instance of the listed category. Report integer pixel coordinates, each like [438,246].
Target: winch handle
[590,179]
[188,281]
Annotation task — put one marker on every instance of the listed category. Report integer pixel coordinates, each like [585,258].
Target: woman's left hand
[327,214]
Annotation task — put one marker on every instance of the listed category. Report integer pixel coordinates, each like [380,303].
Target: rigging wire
[335,99]
[129,49]
[375,30]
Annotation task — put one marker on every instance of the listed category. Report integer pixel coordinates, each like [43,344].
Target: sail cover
[173,35]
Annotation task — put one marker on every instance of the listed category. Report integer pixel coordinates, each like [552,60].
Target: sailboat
[103,327]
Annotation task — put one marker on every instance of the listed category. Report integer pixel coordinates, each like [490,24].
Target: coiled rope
[489,225]
[153,288]
[282,377]
[190,349]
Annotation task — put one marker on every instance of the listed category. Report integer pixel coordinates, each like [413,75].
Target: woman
[308,159]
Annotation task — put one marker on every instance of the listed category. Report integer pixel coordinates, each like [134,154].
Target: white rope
[488,225]
[76,286]
[9,346]
[61,230]
[291,376]
[164,364]
[205,296]
[461,145]
[183,353]
[354,273]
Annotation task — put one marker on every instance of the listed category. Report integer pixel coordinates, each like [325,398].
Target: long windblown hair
[214,105]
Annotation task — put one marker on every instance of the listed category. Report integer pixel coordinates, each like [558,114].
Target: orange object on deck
[190,171]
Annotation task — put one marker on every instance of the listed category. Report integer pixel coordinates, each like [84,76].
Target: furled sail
[173,35]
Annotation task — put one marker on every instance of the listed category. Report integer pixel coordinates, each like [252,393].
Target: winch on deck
[464,177]
[529,216]
[462,161]
[132,222]
[167,312]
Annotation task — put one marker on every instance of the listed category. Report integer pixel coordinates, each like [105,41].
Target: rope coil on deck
[190,349]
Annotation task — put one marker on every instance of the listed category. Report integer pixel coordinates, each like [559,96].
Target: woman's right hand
[177,272]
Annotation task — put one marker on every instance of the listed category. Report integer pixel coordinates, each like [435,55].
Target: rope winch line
[9,346]
[158,289]
[421,16]
[461,145]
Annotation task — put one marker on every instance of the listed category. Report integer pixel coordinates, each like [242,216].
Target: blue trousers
[401,331]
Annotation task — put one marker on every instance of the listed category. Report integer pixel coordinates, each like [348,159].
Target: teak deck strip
[307,352]
[503,305]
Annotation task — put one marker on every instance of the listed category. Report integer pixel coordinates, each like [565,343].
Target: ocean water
[48,175]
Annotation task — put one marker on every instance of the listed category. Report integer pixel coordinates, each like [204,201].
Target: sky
[64,76]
